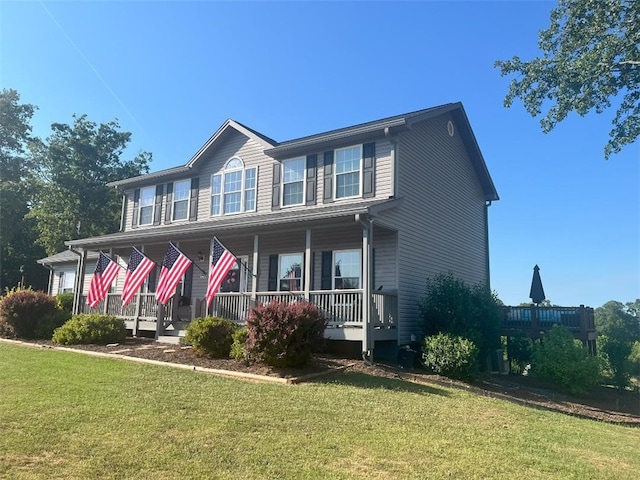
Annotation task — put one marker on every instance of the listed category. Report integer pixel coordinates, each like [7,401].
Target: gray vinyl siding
[441,223]
[385,259]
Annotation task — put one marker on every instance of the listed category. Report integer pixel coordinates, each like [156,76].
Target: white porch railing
[342,308]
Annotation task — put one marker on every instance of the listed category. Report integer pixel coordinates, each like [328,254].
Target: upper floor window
[347,269]
[234,190]
[147,200]
[348,171]
[293,181]
[181,191]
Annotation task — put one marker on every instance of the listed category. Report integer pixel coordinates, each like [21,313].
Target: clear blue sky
[173,72]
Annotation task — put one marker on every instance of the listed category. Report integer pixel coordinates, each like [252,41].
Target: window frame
[281,274]
[234,165]
[336,174]
[152,189]
[302,181]
[174,201]
[334,265]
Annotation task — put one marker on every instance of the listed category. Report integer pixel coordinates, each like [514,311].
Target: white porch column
[367,341]
[79,281]
[254,278]
[307,266]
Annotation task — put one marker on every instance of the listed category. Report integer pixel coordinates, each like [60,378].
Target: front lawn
[65,415]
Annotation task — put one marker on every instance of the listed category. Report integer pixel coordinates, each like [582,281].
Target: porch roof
[236,222]
[66,256]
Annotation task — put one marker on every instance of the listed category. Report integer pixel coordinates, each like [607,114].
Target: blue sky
[173,72]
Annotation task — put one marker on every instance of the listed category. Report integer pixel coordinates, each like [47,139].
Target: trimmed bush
[65,301]
[562,360]
[284,335]
[449,355]
[239,339]
[211,336]
[23,311]
[91,328]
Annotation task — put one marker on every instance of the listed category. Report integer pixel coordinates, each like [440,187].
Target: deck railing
[341,307]
[580,319]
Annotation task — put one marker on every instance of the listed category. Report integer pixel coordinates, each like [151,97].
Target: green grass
[66,415]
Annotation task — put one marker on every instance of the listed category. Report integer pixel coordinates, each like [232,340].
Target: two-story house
[354,220]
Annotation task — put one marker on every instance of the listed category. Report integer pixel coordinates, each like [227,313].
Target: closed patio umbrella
[537,292]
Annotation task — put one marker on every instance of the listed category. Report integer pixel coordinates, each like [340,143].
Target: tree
[590,56]
[75,163]
[18,253]
[618,327]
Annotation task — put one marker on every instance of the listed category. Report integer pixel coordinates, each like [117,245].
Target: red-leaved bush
[26,313]
[284,335]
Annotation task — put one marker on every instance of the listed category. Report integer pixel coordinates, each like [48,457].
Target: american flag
[174,266]
[103,276]
[221,262]
[137,271]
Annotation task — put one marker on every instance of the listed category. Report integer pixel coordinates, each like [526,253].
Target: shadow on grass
[363,380]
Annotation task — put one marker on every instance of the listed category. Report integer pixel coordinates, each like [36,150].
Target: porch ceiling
[241,223]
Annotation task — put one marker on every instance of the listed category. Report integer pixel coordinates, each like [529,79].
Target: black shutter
[188,284]
[136,208]
[157,209]
[313,271]
[275,193]
[312,166]
[151,283]
[369,169]
[327,264]
[273,273]
[168,203]
[193,205]
[327,196]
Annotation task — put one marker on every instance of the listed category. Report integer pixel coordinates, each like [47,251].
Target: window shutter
[193,204]
[368,169]
[313,271]
[326,277]
[136,208]
[151,283]
[157,209]
[312,166]
[275,193]
[188,284]
[273,273]
[168,203]
[328,177]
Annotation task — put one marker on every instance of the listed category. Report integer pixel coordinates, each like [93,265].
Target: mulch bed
[602,404]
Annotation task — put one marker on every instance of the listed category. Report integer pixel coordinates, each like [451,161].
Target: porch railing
[343,308]
[579,320]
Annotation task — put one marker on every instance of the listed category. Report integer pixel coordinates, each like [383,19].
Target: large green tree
[590,56]
[75,163]
[18,252]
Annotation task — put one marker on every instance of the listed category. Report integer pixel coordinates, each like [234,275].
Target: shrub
[48,324]
[454,307]
[284,335]
[519,351]
[616,356]
[211,336]
[239,339]
[562,360]
[91,328]
[451,356]
[22,312]
[65,301]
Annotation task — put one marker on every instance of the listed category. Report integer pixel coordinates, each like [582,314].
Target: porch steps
[174,337]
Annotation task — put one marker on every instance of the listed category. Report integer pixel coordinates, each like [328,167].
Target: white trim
[335,173]
[153,206]
[303,181]
[280,272]
[243,190]
[173,201]
[333,267]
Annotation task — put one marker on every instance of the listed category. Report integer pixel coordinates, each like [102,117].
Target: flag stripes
[221,262]
[174,266]
[138,270]
[103,276]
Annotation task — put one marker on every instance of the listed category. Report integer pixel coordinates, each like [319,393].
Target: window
[234,190]
[181,192]
[348,171]
[147,200]
[66,282]
[347,269]
[293,181]
[290,272]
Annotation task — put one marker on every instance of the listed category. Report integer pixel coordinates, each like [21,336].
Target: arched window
[234,190]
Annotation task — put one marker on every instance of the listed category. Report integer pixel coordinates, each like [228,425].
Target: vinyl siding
[441,222]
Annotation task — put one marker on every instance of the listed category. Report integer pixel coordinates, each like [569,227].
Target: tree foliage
[590,55]
[17,186]
[75,163]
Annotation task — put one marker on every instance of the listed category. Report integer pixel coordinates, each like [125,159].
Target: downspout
[79,280]
[487,204]
[367,234]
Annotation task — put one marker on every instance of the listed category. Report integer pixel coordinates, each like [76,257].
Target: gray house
[355,220]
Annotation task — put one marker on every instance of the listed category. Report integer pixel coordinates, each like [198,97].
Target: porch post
[367,341]
[307,266]
[254,278]
[79,282]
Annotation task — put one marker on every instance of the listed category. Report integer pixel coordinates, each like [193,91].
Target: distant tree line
[54,189]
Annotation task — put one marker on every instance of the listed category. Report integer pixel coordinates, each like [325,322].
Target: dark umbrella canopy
[536,294]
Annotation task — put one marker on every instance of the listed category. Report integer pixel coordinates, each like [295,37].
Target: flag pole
[249,271]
